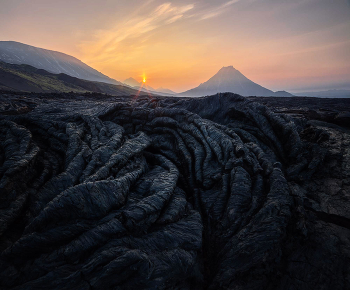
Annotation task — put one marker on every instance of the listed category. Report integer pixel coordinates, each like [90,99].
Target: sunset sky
[298,45]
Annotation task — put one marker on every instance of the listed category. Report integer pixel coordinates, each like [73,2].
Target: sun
[144,79]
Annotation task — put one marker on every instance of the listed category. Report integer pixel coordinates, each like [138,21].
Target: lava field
[218,192]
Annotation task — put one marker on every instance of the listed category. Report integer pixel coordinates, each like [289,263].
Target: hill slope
[51,61]
[30,79]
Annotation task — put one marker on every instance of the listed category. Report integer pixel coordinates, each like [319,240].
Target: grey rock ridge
[228,79]
[217,192]
[51,61]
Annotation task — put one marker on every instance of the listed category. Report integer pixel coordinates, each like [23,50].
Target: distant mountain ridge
[166,91]
[136,85]
[27,78]
[228,79]
[52,61]
[326,94]
[146,88]
[131,82]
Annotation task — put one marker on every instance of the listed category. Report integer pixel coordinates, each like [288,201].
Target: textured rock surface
[209,193]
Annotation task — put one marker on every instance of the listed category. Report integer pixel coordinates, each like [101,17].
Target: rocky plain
[217,192]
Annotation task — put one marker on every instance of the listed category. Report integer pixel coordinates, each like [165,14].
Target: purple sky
[297,45]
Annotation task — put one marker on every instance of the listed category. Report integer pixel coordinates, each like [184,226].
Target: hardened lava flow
[217,192]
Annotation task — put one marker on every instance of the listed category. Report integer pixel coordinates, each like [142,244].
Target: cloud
[127,39]
[173,19]
[229,3]
[217,10]
[108,43]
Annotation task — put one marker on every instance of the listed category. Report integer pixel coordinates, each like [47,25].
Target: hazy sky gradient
[281,44]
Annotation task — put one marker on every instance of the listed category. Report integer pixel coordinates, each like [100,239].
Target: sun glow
[143,89]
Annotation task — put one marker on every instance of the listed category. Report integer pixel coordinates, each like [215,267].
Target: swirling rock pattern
[210,193]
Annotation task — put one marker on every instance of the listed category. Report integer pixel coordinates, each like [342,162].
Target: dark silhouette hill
[282,94]
[51,61]
[30,79]
[228,79]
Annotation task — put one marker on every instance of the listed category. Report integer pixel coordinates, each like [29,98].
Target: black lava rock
[162,193]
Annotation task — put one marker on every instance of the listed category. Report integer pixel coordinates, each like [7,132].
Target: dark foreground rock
[209,193]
